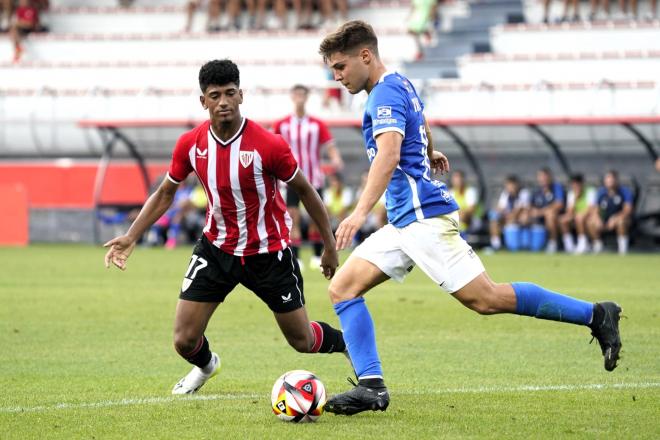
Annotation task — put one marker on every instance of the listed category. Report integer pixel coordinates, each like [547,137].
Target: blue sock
[360,337]
[533,300]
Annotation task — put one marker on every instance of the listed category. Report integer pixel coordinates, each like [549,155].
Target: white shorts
[432,244]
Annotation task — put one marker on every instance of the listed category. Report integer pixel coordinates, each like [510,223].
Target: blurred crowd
[19,18]
[600,9]
[252,14]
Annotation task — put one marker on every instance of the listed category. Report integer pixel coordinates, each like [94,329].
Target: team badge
[384,112]
[246,158]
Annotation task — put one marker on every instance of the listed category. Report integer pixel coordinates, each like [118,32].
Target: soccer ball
[298,396]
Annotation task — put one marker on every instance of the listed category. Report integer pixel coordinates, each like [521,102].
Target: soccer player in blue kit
[422,229]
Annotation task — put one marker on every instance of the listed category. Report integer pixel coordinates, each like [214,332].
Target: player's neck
[225,131]
[300,113]
[375,75]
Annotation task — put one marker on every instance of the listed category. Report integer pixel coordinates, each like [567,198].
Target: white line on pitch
[174,399]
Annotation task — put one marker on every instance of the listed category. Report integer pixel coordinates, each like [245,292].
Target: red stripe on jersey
[305,135]
[246,214]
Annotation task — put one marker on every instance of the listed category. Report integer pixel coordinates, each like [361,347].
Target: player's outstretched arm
[380,174]
[156,205]
[314,206]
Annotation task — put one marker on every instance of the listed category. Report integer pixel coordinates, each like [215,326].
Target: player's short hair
[577,178]
[512,178]
[300,87]
[545,170]
[220,73]
[350,36]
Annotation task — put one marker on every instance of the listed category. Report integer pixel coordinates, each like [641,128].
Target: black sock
[374,382]
[328,339]
[318,248]
[201,356]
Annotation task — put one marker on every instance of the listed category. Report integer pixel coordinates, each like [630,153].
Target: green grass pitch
[86,353]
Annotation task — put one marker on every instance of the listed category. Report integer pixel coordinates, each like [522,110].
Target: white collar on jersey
[382,78]
[231,139]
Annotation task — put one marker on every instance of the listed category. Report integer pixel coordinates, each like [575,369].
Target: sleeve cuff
[292,176]
[172,179]
[386,129]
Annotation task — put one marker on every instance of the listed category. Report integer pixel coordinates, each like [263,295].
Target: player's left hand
[439,162]
[329,262]
[348,228]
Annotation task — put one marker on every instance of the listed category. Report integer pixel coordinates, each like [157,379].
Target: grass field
[86,353]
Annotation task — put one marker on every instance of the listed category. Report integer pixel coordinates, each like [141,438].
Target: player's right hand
[120,250]
[329,263]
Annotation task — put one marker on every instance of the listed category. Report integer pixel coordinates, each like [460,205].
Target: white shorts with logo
[433,244]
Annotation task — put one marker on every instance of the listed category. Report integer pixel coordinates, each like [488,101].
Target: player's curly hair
[351,35]
[218,72]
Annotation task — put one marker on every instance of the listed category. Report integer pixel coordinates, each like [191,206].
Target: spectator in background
[26,20]
[330,9]
[547,204]
[6,9]
[421,16]
[594,8]
[623,4]
[467,198]
[166,228]
[615,205]
[214,11]
[580,202]
[338,199]
[332,93]
[512,208]
[257,12]
[307,136]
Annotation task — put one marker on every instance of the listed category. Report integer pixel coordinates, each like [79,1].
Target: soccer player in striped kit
[246,236]
[308,136]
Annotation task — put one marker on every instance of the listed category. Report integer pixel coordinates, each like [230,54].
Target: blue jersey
[610,204]
[542,198]
[393,105]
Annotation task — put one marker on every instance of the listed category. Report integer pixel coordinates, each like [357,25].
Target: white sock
[569,245]
[582,245]
[598,246]
[622,241]
[495,242]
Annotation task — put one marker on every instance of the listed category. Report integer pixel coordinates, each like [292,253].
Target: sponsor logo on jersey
[387,121]
[384,112]
[201,154]
[246,158]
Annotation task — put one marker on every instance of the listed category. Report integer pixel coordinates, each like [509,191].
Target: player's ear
[365,55]
[240,96]
[203,102]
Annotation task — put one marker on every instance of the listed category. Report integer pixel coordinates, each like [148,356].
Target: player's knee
[339,293]
[300,343]
[185,342]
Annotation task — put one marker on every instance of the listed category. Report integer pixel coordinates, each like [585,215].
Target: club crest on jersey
[384,112]
[246,158]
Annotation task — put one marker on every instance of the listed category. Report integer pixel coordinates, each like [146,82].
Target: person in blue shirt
[613,213]
[422,229]
[548,200]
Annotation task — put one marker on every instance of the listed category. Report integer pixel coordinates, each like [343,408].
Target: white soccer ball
[298,396]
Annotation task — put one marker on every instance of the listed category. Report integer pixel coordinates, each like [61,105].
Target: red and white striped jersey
[306,135]
[245,214]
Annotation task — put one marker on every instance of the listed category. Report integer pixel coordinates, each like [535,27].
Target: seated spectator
[547,204]
[512,208]
[615,205]
[214,12]
[467,198]
[6,9]
[594,8]
[167,228]
[338,199]
[329,9]
[579,204]
[26,20]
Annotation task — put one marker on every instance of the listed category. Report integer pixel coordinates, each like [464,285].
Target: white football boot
[197,377]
